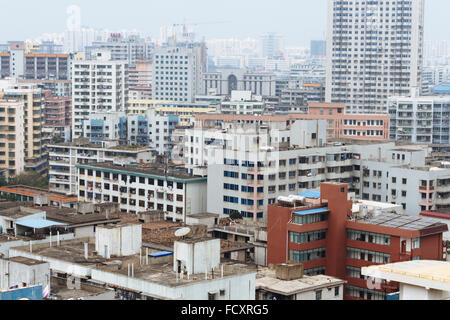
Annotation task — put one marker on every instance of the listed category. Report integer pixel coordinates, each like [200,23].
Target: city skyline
[221,20]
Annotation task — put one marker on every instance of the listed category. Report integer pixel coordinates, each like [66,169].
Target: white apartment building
[103,126]
[64,157]
[137,189]
[12,138]
[242,102]
[152,129]
[31,111]
[403,178]
[177,70]
[374,51]
[98,85]
[420,119]
[132,49]
[249,163]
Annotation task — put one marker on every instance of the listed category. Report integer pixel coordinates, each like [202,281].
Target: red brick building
[57,111]
[329,240]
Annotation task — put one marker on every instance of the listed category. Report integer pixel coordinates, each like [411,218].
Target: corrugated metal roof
[310,194]
[161,254]
[312,211]
[39,223]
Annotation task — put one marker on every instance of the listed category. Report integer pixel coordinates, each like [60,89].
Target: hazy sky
[299,20]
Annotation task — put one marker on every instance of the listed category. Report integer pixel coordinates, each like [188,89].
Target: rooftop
[155,171]
[163,274]
[6,238]
[432,214]
[70,217]
[18,212]
[32,192]
[427,273]
[404,222]
[203,215]
[267,280]
[26,261]
[90,145]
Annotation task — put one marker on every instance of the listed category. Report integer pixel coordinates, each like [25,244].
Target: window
[416,243]
[364,293]
[212,296]
[366,255]
[310,218]
[336,291]
[314,271]
[307,236]
[369,237]
[319,295]
[307,255]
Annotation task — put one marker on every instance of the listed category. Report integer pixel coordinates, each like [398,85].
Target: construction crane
[190,35]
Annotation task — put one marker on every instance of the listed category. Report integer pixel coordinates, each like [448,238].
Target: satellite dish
[182,232]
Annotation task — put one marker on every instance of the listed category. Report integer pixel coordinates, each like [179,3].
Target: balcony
[426,190]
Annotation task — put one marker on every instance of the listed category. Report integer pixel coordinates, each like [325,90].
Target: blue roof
[312,211]
[39,223]
[161,254]
[442,88]
[310,194]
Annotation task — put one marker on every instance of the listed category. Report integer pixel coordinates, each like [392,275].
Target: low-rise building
[20,272]
[64,157]
[192,271]
[420,119]
[42,197]
[329,239]
[184,110]
[139,189]
[418,280]
[287,282]
[242,103]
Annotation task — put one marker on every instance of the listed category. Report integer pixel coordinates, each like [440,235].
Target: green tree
[3,182]
[31,179]
[57,139]
[236,216]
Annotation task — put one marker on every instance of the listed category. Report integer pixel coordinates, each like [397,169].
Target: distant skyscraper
[132,49]
[318,48]
[177,70]
[271,43]
[374,51]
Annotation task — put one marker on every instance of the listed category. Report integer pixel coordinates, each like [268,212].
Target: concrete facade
[98,85]
[64,157]
[139,190]
[334,242]
[369,56]
[20,272]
